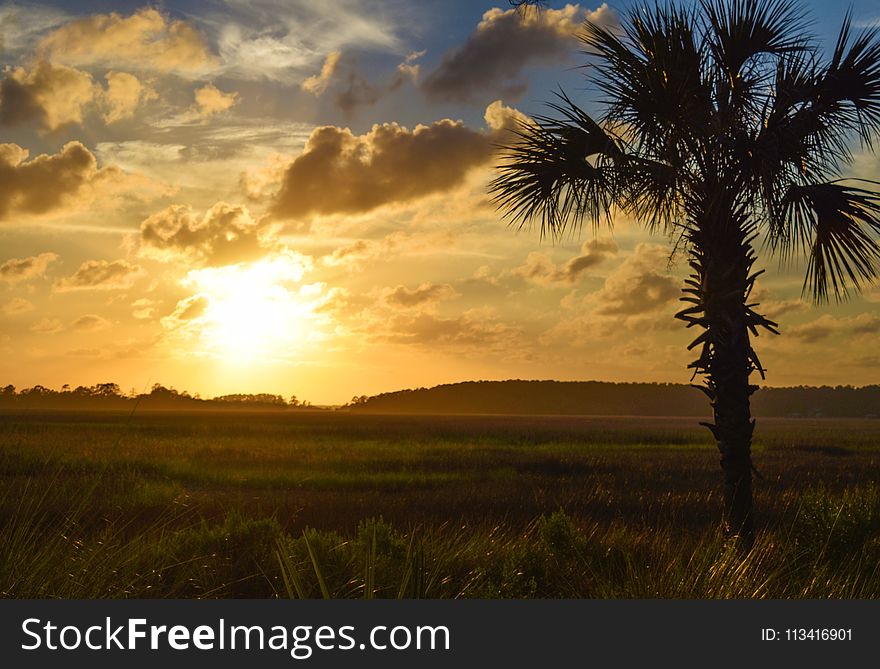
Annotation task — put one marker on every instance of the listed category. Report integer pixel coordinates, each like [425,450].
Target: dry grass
[253,505]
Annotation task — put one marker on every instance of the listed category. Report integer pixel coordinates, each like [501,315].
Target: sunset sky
[289,196]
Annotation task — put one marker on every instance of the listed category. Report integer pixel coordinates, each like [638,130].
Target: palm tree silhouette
[723,124]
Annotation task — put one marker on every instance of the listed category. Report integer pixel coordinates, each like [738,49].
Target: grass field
[299,504]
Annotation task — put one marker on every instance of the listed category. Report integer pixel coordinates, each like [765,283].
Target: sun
[252,311]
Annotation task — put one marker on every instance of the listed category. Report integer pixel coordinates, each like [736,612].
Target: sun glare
[252,312]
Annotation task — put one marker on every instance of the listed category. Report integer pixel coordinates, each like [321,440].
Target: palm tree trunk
[722,261]
[733,429]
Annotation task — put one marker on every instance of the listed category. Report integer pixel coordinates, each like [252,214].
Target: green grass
[339,505]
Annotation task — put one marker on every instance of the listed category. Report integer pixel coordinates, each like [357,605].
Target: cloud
[145,40]
[468,332]
[637,287]
[21,269]
[358,92]
[224,235]
[47,326]
[827,326]
[21,26]
[317,83]
[541,269]
[15,306]
[363,251]
[90,323]
[285,40]
[53,95]
[100,275]
[361,93]
[211,101]
[810,333]
[409,67]
[425,295]
[186,310]
[67,180]
[123,95]
[505,42]
[144,309]
[340,172]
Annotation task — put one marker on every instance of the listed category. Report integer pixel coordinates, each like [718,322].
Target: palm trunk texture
[718,289]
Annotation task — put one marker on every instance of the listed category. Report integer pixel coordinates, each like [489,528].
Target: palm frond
[561,172]
[652,77]
[839,228]
[740,30]
[850,86]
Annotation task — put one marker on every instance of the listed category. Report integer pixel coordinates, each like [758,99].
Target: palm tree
[723,124]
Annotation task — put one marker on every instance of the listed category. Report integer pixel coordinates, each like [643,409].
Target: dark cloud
[351,90]
[46,184]
[100,275]
[339,172]
[21,269]
[18,104]
[359,92]
[504,43]
[225,234]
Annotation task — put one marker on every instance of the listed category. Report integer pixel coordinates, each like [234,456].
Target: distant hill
[613,399]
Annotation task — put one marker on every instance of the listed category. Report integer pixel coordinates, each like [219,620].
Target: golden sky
[290,197]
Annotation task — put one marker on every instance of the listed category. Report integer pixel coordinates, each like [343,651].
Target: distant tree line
[111,396]
[613,399]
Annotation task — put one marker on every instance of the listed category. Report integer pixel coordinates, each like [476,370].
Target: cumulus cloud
[53,95]
[540,268]
[504,43]
[21,269]
[68,180]
[340,172]
[639,285]
[90,323]
[317,83]
[15,306]
[123,95]
[145,40]
[210,101]
[225,234]
[100,275]
[425,294]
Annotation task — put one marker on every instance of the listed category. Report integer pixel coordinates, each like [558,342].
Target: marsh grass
[369,507]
